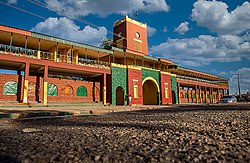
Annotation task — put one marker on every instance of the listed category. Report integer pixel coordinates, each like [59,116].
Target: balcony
[61,58]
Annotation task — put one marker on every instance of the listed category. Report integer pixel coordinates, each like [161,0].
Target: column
[45,85]
[26,83]
[179,92]
[19,87]
[196,93]
[205,88]
[104,90]
[55,53]
[76,57]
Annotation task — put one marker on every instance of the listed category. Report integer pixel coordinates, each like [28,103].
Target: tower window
[137,35]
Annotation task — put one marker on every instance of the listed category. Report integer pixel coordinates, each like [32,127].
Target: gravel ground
[183,134]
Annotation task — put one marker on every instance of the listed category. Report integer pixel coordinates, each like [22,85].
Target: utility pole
[238,76]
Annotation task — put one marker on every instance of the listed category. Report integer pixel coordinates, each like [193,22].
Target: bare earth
[219,133]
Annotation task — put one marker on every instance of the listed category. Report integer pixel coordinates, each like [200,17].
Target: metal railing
[18,51]
[93,63]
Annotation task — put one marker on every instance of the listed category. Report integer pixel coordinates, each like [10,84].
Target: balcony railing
[63,58]
[199,80]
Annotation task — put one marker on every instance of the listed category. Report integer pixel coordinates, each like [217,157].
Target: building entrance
[150,92]
[119,96]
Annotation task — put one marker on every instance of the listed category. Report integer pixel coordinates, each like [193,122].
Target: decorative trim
[150,78]
[137,40]
[118,65]
[134,67]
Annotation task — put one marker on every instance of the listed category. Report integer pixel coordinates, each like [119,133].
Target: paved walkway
[17,110]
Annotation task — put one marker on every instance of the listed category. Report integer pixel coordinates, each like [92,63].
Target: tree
[107,43]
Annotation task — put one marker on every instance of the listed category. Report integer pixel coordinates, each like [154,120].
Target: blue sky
[209,36]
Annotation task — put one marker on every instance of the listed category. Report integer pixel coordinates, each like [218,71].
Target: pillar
[179,92]
[26,83]
[196,92]
[104,90]
[205,88]
[76,57]
[45,85]
[55,53]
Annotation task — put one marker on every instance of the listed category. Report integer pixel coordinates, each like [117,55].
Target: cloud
[244,80]
[165,29]
[182,28]
[67,29]
[151,31]
[204,49]
[103,8]
[11,1]
[215,16]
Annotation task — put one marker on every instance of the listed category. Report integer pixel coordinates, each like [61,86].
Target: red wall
[60,83]
[134,74]
[133,28]
[166,79]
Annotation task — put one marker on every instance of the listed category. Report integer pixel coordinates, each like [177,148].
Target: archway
[119,96]
[150,93]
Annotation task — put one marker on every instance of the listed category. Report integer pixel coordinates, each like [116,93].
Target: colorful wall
[58,89]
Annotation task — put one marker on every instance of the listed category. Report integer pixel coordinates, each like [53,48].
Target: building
[51,69]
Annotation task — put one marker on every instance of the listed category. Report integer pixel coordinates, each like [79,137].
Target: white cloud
[151,31]
[244,80]
[165,29]
[182,28]
[103,8]
[215,16]
[67,29]
[11,1]
[204,49]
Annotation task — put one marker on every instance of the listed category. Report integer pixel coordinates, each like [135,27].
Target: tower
[131,36]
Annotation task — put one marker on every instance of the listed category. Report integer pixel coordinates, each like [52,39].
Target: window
[135,82]
[166,90]
[138,46]
[186,95]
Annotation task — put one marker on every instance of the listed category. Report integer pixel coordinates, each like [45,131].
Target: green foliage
[107,43]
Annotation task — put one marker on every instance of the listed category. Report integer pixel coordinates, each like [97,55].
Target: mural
[67,91]
[10,88]
[52,90]
[81,91]
[31,89]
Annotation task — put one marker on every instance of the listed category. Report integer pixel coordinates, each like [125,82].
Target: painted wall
[135,74]
[165,78]
[119,78]
[63,85]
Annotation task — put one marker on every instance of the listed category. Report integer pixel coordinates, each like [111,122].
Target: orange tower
[131,36]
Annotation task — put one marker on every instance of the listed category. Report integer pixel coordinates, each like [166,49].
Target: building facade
[51,69]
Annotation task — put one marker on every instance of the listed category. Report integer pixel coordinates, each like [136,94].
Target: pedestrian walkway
[19,110]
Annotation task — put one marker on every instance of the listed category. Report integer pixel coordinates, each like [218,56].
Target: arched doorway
[119,96]
[150,93]
[173,97]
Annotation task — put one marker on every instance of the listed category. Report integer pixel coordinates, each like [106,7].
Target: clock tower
[131,36]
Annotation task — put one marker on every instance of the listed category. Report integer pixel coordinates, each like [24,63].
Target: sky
[208,36]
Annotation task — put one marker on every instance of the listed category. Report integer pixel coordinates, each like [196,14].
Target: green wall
[119,78]
[154,74]
[174,88]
